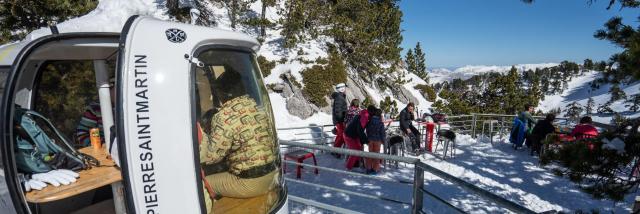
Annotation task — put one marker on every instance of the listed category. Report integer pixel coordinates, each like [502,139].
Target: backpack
[517,132]
[37,152]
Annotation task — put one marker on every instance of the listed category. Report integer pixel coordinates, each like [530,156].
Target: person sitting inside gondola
[237,151]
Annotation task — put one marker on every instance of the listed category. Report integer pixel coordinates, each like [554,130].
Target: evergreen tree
[588,64]
[18,17]
[573,111]
[440,107]
[180,12]
[616,93]
[534,94]
[628,38]
[634,103]
[264,22]
[605,108]
[389,106]
[410,61]
[421,66]
[236,9]
[368,34]
[300,20]
[590,105]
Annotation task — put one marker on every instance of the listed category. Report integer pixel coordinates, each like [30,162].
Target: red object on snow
[429,136]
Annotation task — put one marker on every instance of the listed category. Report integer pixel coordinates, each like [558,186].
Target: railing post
[473,126]
[418,184]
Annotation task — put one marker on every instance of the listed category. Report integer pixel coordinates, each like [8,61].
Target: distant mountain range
[447,74]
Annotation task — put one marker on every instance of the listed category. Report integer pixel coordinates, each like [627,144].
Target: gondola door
[154,118]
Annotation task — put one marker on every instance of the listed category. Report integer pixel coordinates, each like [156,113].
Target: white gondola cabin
[178,88]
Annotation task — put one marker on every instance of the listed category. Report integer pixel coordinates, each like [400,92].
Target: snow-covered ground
[513,175]
[579,90]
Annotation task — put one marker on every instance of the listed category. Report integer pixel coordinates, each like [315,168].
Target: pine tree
[605,108]
[573,111]
[180,12]
[264,22]
[18,17]
[389,106]
[616,93]
[235,10]
[590,105]
[588,64]
[421,66]
[410,61]
[634,103]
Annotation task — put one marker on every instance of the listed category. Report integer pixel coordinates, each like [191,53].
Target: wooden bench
[91,179]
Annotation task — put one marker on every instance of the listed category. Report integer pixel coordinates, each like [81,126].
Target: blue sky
[505,32]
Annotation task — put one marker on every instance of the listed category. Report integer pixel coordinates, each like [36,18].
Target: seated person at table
[92,118]
[540,131]
[237,154]
[584,129]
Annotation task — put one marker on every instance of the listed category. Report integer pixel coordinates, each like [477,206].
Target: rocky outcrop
[297,104]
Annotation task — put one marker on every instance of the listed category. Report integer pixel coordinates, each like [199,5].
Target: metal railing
[471,124]
[418,190]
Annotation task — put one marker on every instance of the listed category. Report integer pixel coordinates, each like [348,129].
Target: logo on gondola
[176,35]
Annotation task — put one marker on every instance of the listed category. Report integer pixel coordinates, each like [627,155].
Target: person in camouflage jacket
[238,155]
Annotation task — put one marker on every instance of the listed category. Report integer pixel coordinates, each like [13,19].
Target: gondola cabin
[185,122]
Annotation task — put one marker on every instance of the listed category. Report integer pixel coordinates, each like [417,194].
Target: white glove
[34,184]
[30,184]
[56,177]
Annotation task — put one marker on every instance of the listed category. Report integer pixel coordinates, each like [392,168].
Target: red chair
[299,156]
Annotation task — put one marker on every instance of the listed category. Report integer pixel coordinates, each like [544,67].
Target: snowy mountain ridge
[443,74]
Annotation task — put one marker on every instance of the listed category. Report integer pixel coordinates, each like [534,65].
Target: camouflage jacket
[241,138]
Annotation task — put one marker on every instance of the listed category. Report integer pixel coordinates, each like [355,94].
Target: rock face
[403,95]
[297,104]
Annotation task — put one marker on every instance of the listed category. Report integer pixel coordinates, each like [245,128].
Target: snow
[109,16]
[466,72]
[513,175]
[579,90]
[423,105]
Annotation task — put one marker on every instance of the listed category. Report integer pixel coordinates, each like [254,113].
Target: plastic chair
[299,156]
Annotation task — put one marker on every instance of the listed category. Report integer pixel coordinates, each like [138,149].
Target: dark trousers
[535,143]
[414,136]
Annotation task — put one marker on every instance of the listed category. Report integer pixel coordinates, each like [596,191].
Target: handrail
[419,169]
[475,189]
[350,152]
[303,127]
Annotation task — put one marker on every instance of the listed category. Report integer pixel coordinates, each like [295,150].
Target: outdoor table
[105,174]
